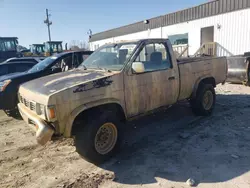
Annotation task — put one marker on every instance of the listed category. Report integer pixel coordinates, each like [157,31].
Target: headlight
[4,84]
[51,112]
[40,109]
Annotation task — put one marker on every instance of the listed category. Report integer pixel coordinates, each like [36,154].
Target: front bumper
[44,131]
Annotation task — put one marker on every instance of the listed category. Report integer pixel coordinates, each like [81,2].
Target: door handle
[171,78]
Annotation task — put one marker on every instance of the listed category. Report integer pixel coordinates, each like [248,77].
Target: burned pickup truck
[118,82]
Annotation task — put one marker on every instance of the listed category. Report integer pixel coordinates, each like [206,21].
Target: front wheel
[97,140]
[13,113]
[203,103]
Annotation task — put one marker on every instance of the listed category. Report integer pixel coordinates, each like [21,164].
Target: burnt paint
[103,82]
[63,83]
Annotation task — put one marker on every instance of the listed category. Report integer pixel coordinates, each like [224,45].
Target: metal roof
[211,8]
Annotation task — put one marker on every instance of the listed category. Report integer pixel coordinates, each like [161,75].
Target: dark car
[10,83]
[23,59]
[13,65]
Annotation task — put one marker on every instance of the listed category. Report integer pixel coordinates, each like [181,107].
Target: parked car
[118,82]
[9,84]
[23,59]
[14,65]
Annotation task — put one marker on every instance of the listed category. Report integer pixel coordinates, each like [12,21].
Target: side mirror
[138,67]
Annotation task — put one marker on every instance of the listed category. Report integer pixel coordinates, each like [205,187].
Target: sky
[71,19]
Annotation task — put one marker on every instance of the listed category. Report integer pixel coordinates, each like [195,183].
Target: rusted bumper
[44,131]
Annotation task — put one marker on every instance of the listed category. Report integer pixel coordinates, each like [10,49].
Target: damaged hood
[51,84]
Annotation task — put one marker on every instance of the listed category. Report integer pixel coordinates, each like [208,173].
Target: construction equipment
[35,50]
[8,48]
[52,47]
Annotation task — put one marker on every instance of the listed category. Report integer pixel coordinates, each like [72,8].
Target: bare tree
[78,45]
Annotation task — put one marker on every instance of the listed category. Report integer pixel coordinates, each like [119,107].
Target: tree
[74,47]
[78,45]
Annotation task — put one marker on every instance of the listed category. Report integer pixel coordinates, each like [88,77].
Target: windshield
[43,64]
[53,47]
[7,44]
[111,57]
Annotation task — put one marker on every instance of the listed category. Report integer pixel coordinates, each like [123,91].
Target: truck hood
[56,82]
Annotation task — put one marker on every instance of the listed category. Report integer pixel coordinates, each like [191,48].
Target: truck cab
[52,47]
[37,49]
[8,48]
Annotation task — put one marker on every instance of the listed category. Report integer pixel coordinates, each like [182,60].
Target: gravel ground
[161,150]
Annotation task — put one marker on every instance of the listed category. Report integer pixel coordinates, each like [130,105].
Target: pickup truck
[118,82]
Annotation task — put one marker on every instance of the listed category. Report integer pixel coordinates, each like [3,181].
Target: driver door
[157,86]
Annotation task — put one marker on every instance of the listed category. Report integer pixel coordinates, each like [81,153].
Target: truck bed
[193,59]
[192,70]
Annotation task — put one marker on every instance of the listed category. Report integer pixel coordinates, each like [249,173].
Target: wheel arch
[104,104]
[203,80]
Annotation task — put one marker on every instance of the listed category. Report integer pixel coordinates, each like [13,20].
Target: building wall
[233,33]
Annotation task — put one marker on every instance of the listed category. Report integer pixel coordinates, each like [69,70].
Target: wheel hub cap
[105,138]
[207,100]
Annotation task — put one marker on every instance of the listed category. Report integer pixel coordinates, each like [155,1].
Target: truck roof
[136,40]
[8,38]
[73,51]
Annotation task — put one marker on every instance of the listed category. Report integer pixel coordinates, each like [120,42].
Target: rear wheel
[97,140]
[203,103]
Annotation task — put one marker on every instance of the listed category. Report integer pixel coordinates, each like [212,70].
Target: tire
[86,136]
[13,113]
[199,105]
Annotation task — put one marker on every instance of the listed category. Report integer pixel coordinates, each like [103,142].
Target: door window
[77,60]
[155,57]
[65,63]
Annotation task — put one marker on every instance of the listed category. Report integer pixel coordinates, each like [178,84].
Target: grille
[30,104]
[26,102]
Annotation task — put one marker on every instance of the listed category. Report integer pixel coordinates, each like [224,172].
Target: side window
[65,63]
[3,70]
[85,56]
[154,57]
[21,67]
[57,64]
[77,60]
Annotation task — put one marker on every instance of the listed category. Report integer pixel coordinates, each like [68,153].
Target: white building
[224,22]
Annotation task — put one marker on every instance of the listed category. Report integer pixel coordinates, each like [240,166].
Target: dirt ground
[161,150]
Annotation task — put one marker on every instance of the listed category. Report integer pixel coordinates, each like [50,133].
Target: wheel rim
[106,138]
[208,100]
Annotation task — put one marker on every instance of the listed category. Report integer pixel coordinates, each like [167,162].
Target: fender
[83,107]
[198,81]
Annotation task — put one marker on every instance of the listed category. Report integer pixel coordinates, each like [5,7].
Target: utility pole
[48,22]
